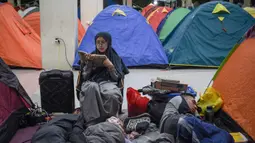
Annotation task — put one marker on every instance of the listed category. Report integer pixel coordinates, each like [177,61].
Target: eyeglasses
[100,42]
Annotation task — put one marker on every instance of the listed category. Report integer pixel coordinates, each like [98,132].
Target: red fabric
[9,102]
[147,8]
[136,103]
[157,16]
[25,102]
[17,8]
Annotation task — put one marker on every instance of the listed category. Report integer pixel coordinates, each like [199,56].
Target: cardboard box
[167,80]
[173,86]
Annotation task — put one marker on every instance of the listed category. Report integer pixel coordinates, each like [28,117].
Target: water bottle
[153,81]
[209,114]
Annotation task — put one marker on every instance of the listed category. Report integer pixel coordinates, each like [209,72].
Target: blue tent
[207,34]
[79,13]
[132,37]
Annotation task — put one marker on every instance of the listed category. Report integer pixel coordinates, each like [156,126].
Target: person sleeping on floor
[177,124]
[176,118]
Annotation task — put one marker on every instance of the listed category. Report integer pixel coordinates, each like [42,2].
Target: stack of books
[167,84]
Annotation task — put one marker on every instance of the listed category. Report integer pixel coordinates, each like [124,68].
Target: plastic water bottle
[153,82]
[209,114]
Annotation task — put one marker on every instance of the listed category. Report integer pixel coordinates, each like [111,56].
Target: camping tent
[30,10]
[112,2]
[14,103]
[172,19]
[207,34]
[250,33]
[147,8]
[157,16]
[33,19]
[250,10]
[150,11]
[81,31]
[235,81]
[132,37]
[19,44]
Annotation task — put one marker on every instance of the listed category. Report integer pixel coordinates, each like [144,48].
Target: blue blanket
[206,133]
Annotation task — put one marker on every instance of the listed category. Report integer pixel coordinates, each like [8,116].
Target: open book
[96,59]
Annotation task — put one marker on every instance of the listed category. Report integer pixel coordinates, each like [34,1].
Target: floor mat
[24,135]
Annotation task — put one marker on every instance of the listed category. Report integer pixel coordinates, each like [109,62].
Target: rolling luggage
[57,91]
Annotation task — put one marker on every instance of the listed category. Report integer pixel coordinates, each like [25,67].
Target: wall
[186,3]
[247,3]
[58,20]
[89,9]
[129,3]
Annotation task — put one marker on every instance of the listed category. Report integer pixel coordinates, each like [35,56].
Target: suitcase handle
[55,73]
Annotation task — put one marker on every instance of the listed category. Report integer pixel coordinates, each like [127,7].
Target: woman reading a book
[99,96]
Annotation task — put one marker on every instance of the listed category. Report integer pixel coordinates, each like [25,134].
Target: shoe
[138,123]
[136,103]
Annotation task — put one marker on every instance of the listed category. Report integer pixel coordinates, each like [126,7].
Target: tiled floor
[199,79]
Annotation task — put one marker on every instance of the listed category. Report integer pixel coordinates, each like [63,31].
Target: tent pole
[124,2]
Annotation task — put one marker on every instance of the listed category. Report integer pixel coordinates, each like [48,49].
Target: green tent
[170,22]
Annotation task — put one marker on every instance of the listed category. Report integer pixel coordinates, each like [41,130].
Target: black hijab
[112,54]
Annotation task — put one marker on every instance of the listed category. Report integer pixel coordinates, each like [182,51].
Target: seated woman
[99,95]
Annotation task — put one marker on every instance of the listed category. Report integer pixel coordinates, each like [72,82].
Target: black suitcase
[57,91]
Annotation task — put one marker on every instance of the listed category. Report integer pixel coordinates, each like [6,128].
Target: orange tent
[157,16]
[33,20]
[19,44]
[81,31]
[147,8]
[235,81]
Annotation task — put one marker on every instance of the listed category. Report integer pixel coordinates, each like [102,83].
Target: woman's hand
[107,63]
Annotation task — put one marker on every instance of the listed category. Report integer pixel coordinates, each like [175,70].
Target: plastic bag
[210,98]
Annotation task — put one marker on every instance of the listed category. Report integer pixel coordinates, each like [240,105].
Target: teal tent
[207,34]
